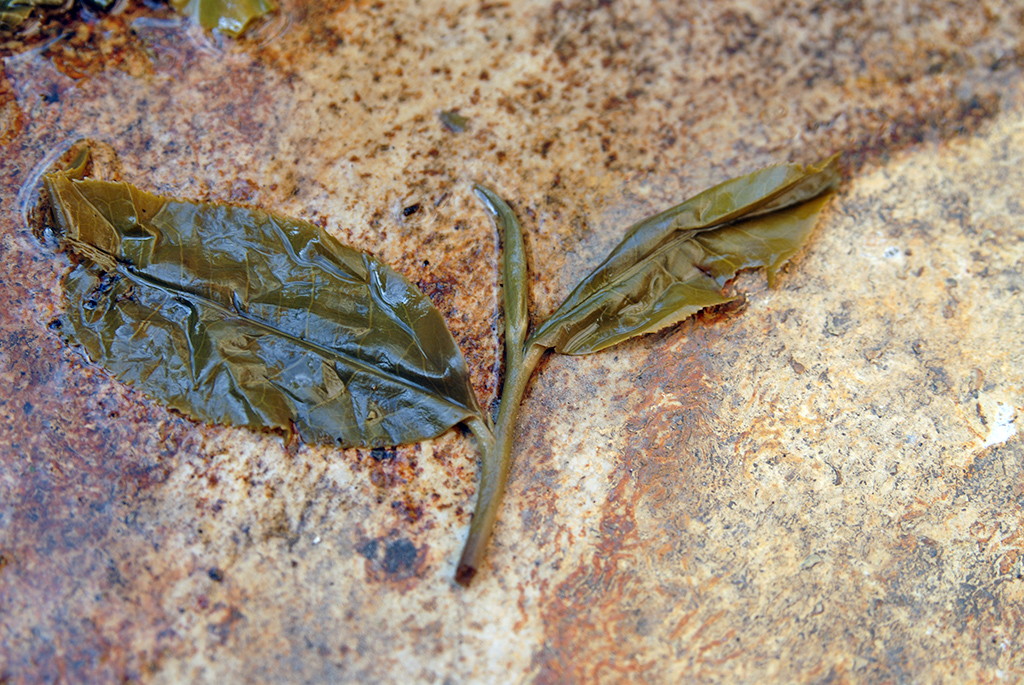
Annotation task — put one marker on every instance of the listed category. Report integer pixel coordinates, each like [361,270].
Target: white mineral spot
[1003,427]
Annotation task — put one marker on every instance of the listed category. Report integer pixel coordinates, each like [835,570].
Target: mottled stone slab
[822,483]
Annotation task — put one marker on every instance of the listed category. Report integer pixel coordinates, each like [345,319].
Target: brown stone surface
[821,484]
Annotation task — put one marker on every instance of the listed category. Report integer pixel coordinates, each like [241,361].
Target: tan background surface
[799,488]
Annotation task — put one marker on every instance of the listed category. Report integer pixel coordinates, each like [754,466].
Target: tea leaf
[674,264]
[514,285]
[237,316]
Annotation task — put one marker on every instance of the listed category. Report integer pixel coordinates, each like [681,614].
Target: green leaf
[227,16]
[11,15]
[236,316]
[674,264]
[13,12]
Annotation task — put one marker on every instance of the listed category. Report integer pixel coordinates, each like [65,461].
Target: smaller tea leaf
[237,316]
[227,16]
[674,264]
[11,15]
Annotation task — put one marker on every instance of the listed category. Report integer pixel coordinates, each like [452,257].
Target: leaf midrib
[361,366]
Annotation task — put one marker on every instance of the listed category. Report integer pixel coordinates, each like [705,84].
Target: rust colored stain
[65,443]
[598,619]
[11,119]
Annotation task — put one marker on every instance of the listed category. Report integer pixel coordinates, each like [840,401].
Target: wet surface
[818,483]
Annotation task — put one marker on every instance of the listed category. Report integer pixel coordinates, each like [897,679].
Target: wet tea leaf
[237,316]
[674,264]
[513,273]
[227,16]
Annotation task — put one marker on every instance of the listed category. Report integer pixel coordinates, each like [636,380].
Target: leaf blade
[664,270]
[256,320]
[514,273]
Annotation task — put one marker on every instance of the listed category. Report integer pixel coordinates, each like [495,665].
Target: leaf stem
[519,365]
[481,430]
[494,467]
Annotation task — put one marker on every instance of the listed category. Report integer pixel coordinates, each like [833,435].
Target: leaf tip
[829,165]
[489,199]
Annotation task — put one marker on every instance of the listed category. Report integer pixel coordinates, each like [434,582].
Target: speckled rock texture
[822,483]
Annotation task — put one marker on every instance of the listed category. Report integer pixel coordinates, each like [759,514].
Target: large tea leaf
[674,264]
[237,316]
[227,16]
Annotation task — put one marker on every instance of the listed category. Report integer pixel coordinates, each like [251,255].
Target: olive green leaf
[236,316]
[674,264]
[13,12]
[227,16]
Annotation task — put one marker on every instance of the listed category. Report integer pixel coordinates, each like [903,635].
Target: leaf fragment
[14,12]
[674,264]
[227,16]
[237,316]
[453,121]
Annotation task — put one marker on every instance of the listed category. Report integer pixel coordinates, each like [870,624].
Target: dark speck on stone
[382,454]
[216,574]
[411,209]
[368,549]
[400,557]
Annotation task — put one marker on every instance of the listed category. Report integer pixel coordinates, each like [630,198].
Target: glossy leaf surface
[227,16]
[237,316]
[674,264]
